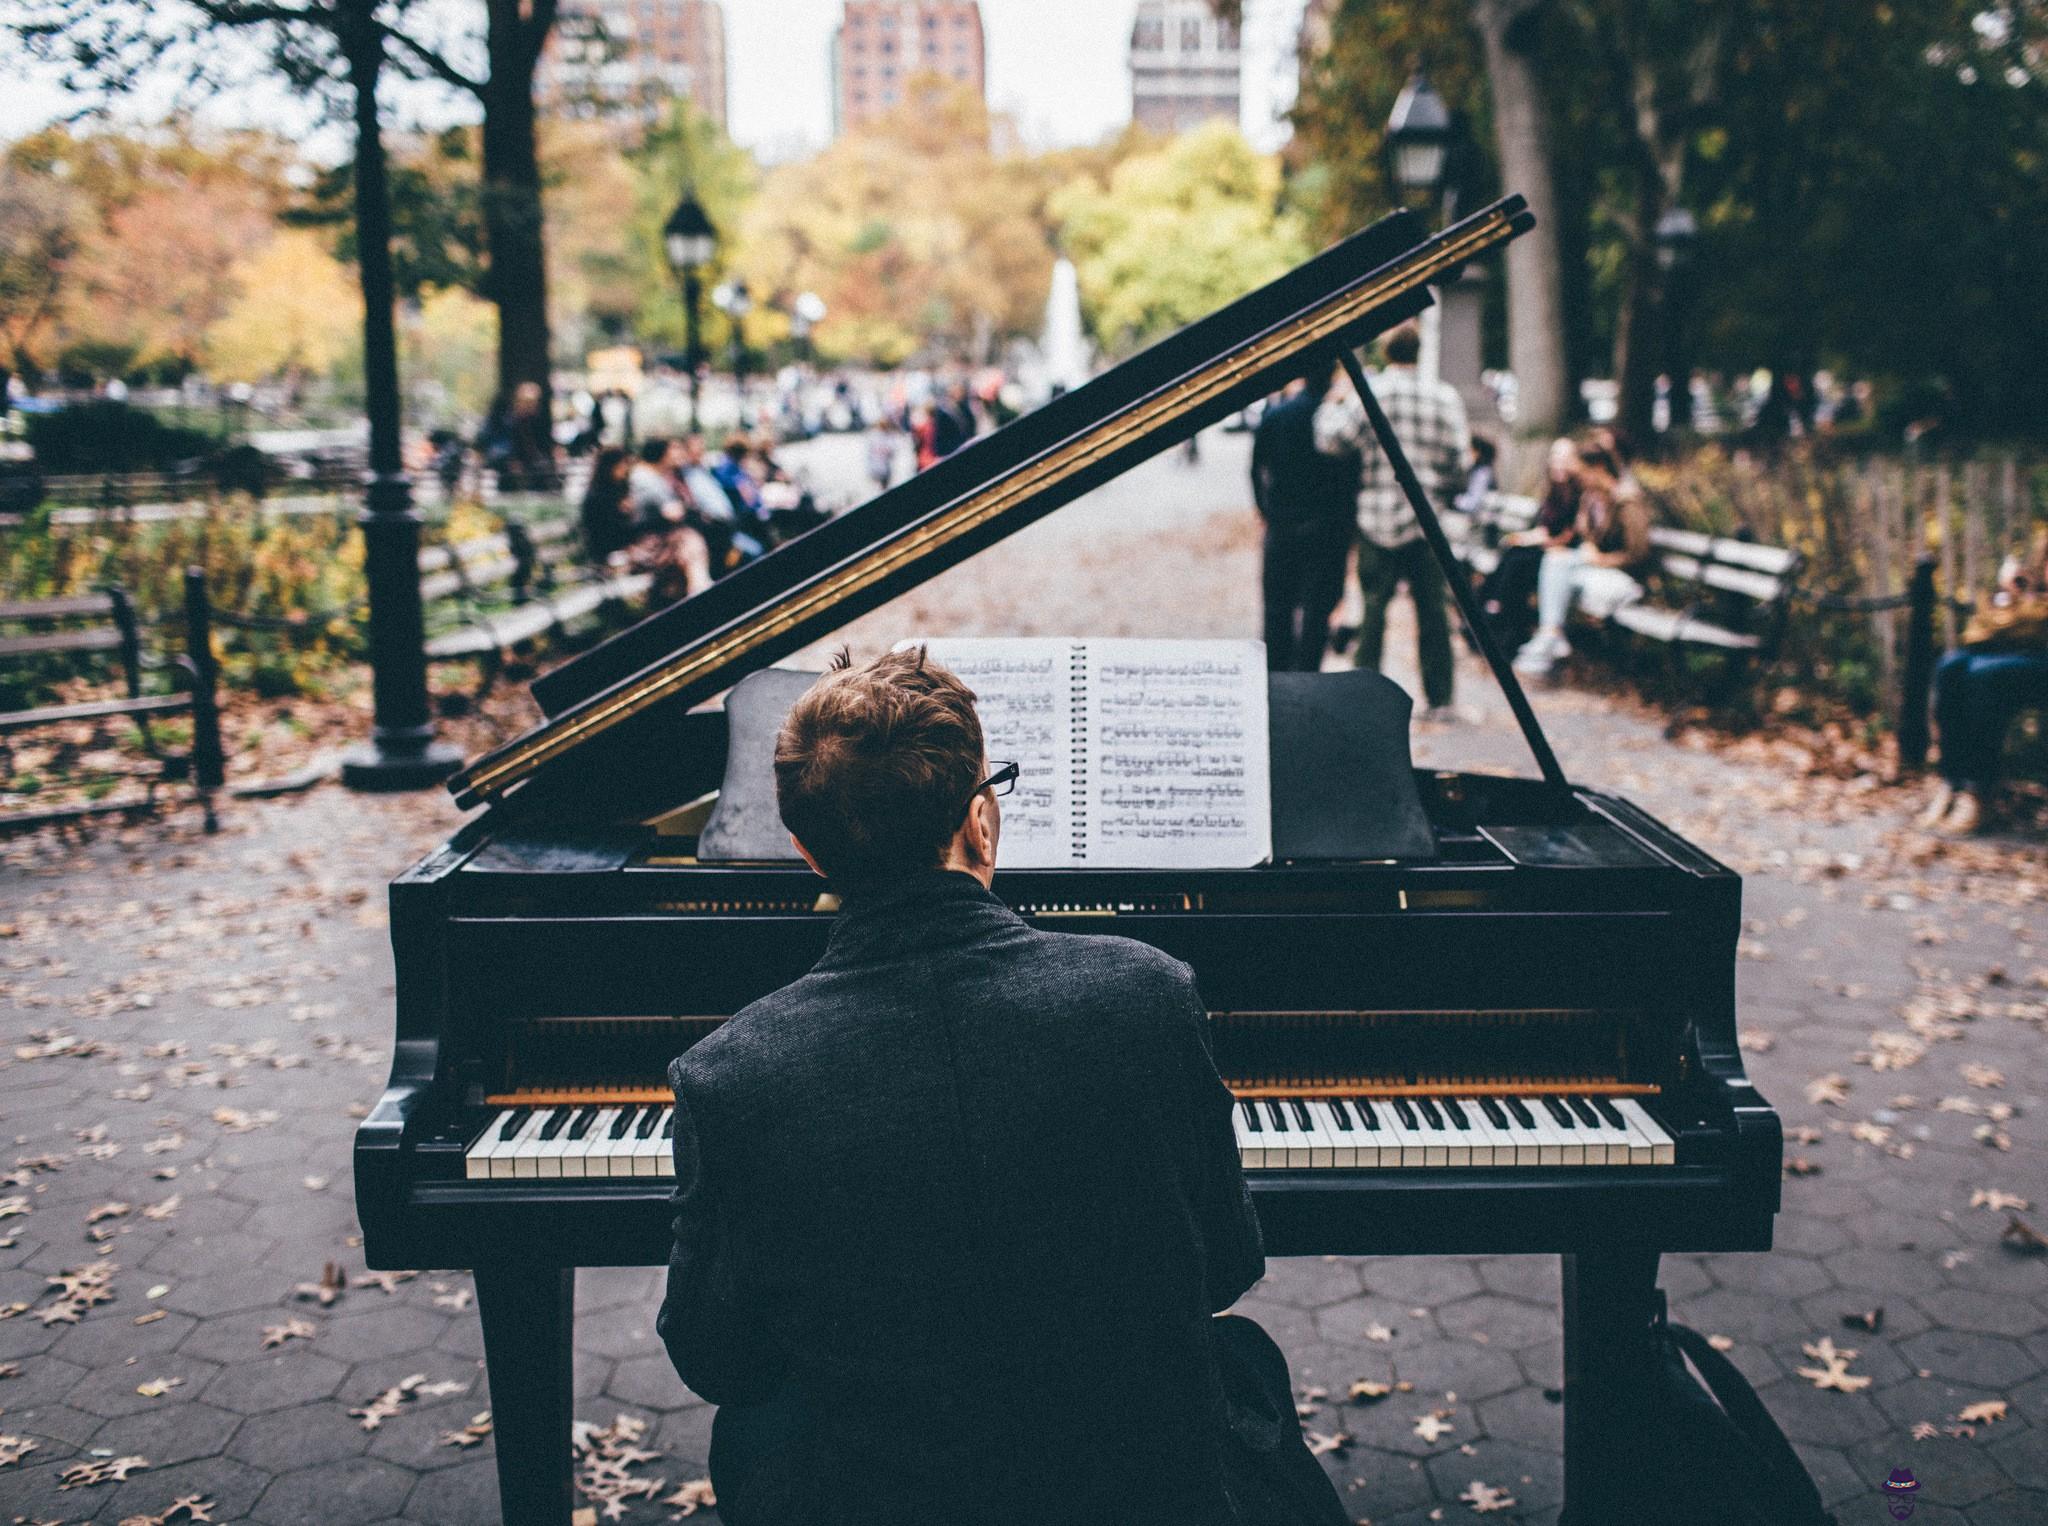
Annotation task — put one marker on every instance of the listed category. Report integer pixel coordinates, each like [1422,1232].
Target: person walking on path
[1307,499]
[1428,418]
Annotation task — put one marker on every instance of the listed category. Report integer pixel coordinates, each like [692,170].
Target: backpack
[1720,1458]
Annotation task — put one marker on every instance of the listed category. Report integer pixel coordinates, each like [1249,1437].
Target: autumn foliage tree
[916,233]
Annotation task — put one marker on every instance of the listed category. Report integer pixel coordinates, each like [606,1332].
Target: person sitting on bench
[2000,668]
[1611,538]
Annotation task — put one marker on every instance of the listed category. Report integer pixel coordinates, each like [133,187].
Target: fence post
[209,763]
[1918,679]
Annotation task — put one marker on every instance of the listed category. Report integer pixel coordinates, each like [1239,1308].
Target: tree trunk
[518,278]
[1536,342]
[1639,326]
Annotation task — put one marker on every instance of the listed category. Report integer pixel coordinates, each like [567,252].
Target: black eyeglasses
[1001,782]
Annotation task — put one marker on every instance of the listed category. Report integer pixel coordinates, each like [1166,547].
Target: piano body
[1523,1041]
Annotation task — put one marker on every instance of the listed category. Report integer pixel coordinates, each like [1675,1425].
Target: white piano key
[1612,1143]
[1411,1149]
[1320,1146]
[605,1157]
[666,1134]
[547,1161]
[1527,1139]
[476,1161]
[1251,1152]
[1343,1134]
[1491,1146]
[647,1152]
[1460,1140]
[1571,1137]
[578,1161]
[1290,1138]
[506,1153]
[1662,1151]
[526,1149]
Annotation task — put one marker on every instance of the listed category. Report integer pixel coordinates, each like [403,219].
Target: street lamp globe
[810,309]
[688,236]
[1419,137]
[1676,231]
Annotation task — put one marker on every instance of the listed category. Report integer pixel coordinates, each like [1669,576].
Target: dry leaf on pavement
[1834,1369]
[478,1429]
[1485,1498]
[103,1470]
[293,1329]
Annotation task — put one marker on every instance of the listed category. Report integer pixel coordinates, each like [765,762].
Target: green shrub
[107,436]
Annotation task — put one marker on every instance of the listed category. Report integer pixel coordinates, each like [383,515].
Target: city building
[879,45]
[631,57]
[1184,66]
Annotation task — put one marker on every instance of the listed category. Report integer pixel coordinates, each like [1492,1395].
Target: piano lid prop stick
[1461,587]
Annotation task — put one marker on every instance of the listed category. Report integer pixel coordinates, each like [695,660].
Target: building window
[1191,35]
[1226,36]
[1149,35]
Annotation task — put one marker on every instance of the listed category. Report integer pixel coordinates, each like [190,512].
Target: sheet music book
[1134,754]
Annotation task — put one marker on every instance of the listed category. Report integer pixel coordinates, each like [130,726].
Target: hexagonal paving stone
[369,1332]
[1951,1472]
[1505,1465]
[2023,1455]
[1419,1280]
[1965,1357]
[171,1432]
[465,1495]
[276,1380]
[303,1436]
[346,1493]
[1824,1417]
[1988,1313]
[648,1381]
[1533,1279]
[110,1334]
[1524,1415]
[1312,1282]
[233,1284]
[1508,1323]
[232,1487]
[113,1391]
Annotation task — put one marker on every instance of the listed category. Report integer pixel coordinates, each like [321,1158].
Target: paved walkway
[196,1024]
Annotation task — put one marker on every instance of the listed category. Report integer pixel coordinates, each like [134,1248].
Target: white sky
[1056,66]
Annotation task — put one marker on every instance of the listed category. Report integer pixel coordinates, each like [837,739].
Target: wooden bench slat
[1773,561]
[74,607]
[1669,625]
[1761,587]
[96,709]
[93,640]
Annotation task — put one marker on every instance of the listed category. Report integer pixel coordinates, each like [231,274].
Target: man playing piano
[954,1210]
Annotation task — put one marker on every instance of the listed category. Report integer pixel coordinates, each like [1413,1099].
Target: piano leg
[529,1318]
[1610,1300]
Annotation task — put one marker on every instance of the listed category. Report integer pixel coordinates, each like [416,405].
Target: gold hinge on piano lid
[499,771]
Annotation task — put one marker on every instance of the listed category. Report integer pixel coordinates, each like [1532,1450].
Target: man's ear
[979,837]
[806,855]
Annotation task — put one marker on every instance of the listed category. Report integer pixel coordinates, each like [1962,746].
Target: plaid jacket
[1429,421]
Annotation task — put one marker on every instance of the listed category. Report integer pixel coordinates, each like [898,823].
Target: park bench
[34,631]
[1703,592]
[507,590]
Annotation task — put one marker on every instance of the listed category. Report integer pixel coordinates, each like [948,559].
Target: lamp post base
[394,765]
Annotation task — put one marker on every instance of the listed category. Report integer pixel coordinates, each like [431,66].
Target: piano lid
[994,486]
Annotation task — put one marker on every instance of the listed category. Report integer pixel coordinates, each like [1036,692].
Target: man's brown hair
[1403,345]
[875,765]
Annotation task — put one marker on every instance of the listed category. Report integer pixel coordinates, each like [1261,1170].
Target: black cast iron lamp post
[1677,231]
[1419,138]
[690,242]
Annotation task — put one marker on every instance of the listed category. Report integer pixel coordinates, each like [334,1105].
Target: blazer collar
[914,914]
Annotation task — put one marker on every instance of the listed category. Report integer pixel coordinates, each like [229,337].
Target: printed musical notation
[1133,754]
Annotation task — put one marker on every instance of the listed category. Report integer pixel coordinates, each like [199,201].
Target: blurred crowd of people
[1328,494]
[673,509]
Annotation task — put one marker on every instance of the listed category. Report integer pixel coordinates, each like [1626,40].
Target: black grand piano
[1528,1020]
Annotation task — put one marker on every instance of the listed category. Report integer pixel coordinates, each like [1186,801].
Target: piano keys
[1519,1038]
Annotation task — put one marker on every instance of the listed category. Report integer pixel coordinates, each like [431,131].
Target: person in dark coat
[1306,499]
[955,1209]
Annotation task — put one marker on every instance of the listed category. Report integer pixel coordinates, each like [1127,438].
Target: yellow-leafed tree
[296,314]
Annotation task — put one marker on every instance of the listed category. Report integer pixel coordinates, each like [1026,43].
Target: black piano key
[1494,1114]
[623,1122]
[1367,1118]
[1301,1116]
[1559,1111]
[1612,1114]
[554,1123]
[1251,1115]
[1429,1113]
[1341,1112]
[668,1124]
[1279,1118]
[580,1124]
[1457,1113]
[1521,1113]
[1405,1113]
[1585,1111]
[649,1117]
[515,1121]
